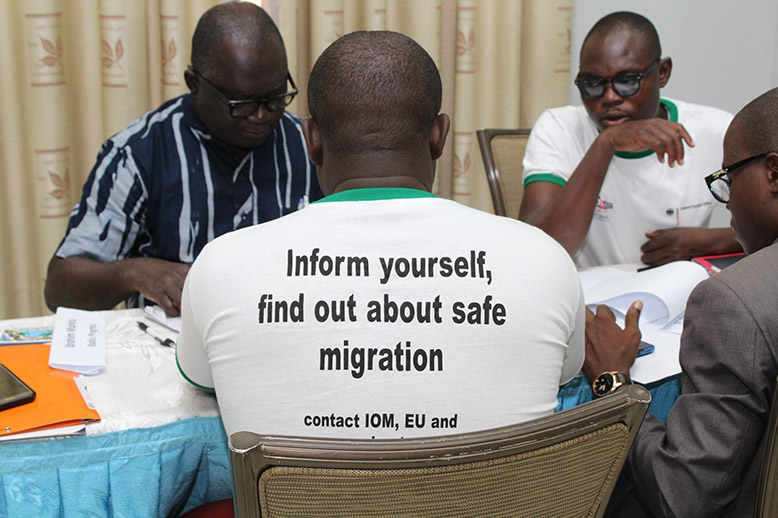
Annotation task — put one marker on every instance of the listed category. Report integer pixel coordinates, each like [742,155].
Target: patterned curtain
[502,63]
[75,72]
[72,74]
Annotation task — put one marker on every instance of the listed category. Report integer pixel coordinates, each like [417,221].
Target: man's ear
[438,135]
[665,68]
[191,81]
[772,168]
[313,139]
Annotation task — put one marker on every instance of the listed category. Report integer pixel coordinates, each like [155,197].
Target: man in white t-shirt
[382,310]
[621,178]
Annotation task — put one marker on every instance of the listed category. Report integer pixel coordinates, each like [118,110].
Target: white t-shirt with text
[382,313]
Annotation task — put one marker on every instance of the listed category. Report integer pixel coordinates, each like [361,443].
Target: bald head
[756,125]
[627,22]
[241,24]
[374,91]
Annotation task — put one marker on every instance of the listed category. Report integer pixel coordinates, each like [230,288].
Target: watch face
[603,384]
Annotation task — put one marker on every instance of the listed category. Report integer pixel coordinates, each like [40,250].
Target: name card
[78,342]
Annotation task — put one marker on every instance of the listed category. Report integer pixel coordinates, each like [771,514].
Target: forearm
[567,216]
[721,241]
[84,283]
[684,243]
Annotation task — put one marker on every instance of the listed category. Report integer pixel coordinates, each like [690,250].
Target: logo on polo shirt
[687,210]
[601,208]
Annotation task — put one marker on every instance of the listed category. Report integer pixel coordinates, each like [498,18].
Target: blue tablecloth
[159,472]
[138,473]
[663,394]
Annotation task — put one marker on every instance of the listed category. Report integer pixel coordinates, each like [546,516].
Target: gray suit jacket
[705,462]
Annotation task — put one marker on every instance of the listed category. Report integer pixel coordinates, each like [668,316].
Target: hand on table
[160,281]
[665,138]
[683,243]
[609,347]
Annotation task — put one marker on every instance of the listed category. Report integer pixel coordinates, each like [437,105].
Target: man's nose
[261,114]
[610,96]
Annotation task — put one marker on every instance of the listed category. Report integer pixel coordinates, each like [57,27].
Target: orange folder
[58,402]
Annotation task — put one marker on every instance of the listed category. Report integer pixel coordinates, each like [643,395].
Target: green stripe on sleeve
[210,389]
[545,177]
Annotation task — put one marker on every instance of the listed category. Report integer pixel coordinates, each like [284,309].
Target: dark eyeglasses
[719,182]
[244,108]
[625,85]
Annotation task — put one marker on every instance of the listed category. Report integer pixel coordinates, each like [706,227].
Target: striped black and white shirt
[163,188]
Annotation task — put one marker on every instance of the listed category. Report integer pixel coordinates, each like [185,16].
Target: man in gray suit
[705,462]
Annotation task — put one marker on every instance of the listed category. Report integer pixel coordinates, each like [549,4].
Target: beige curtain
[502,63]
[72,73]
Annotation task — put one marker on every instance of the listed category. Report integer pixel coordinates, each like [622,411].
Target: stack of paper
[158,314]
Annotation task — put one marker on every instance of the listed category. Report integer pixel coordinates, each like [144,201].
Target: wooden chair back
[767,492]
[502,151]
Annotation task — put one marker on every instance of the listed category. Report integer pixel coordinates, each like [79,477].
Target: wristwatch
[607,383]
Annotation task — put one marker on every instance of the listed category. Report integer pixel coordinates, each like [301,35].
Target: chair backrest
[565,464]
[767,492]
[503,151]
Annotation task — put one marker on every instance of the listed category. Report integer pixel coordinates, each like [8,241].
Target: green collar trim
[672,113]
[377,193]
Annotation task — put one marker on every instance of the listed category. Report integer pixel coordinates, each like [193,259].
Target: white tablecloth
[140,386]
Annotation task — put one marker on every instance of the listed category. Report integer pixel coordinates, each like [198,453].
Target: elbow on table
[52,290]
[70,282]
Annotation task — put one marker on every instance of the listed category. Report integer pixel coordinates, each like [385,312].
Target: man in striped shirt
[222,157]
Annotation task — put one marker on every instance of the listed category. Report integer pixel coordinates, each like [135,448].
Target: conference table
[160,448]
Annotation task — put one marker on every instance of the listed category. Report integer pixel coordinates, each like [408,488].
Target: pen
[644,268]
[167,342]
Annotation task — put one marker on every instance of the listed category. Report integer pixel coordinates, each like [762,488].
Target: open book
[664,291]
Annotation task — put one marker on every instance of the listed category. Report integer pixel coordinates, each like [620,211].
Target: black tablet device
[13,391]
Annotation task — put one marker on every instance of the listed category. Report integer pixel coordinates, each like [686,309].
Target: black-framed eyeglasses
[243,108]
[719,182]
[625,85]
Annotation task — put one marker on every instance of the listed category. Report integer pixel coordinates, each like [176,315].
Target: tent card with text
[78,343]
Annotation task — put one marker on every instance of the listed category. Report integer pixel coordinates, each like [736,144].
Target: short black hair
[242,22]
[372,91]
[758,123]
[627,21]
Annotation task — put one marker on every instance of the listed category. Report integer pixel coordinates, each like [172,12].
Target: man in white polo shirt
[621,178]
